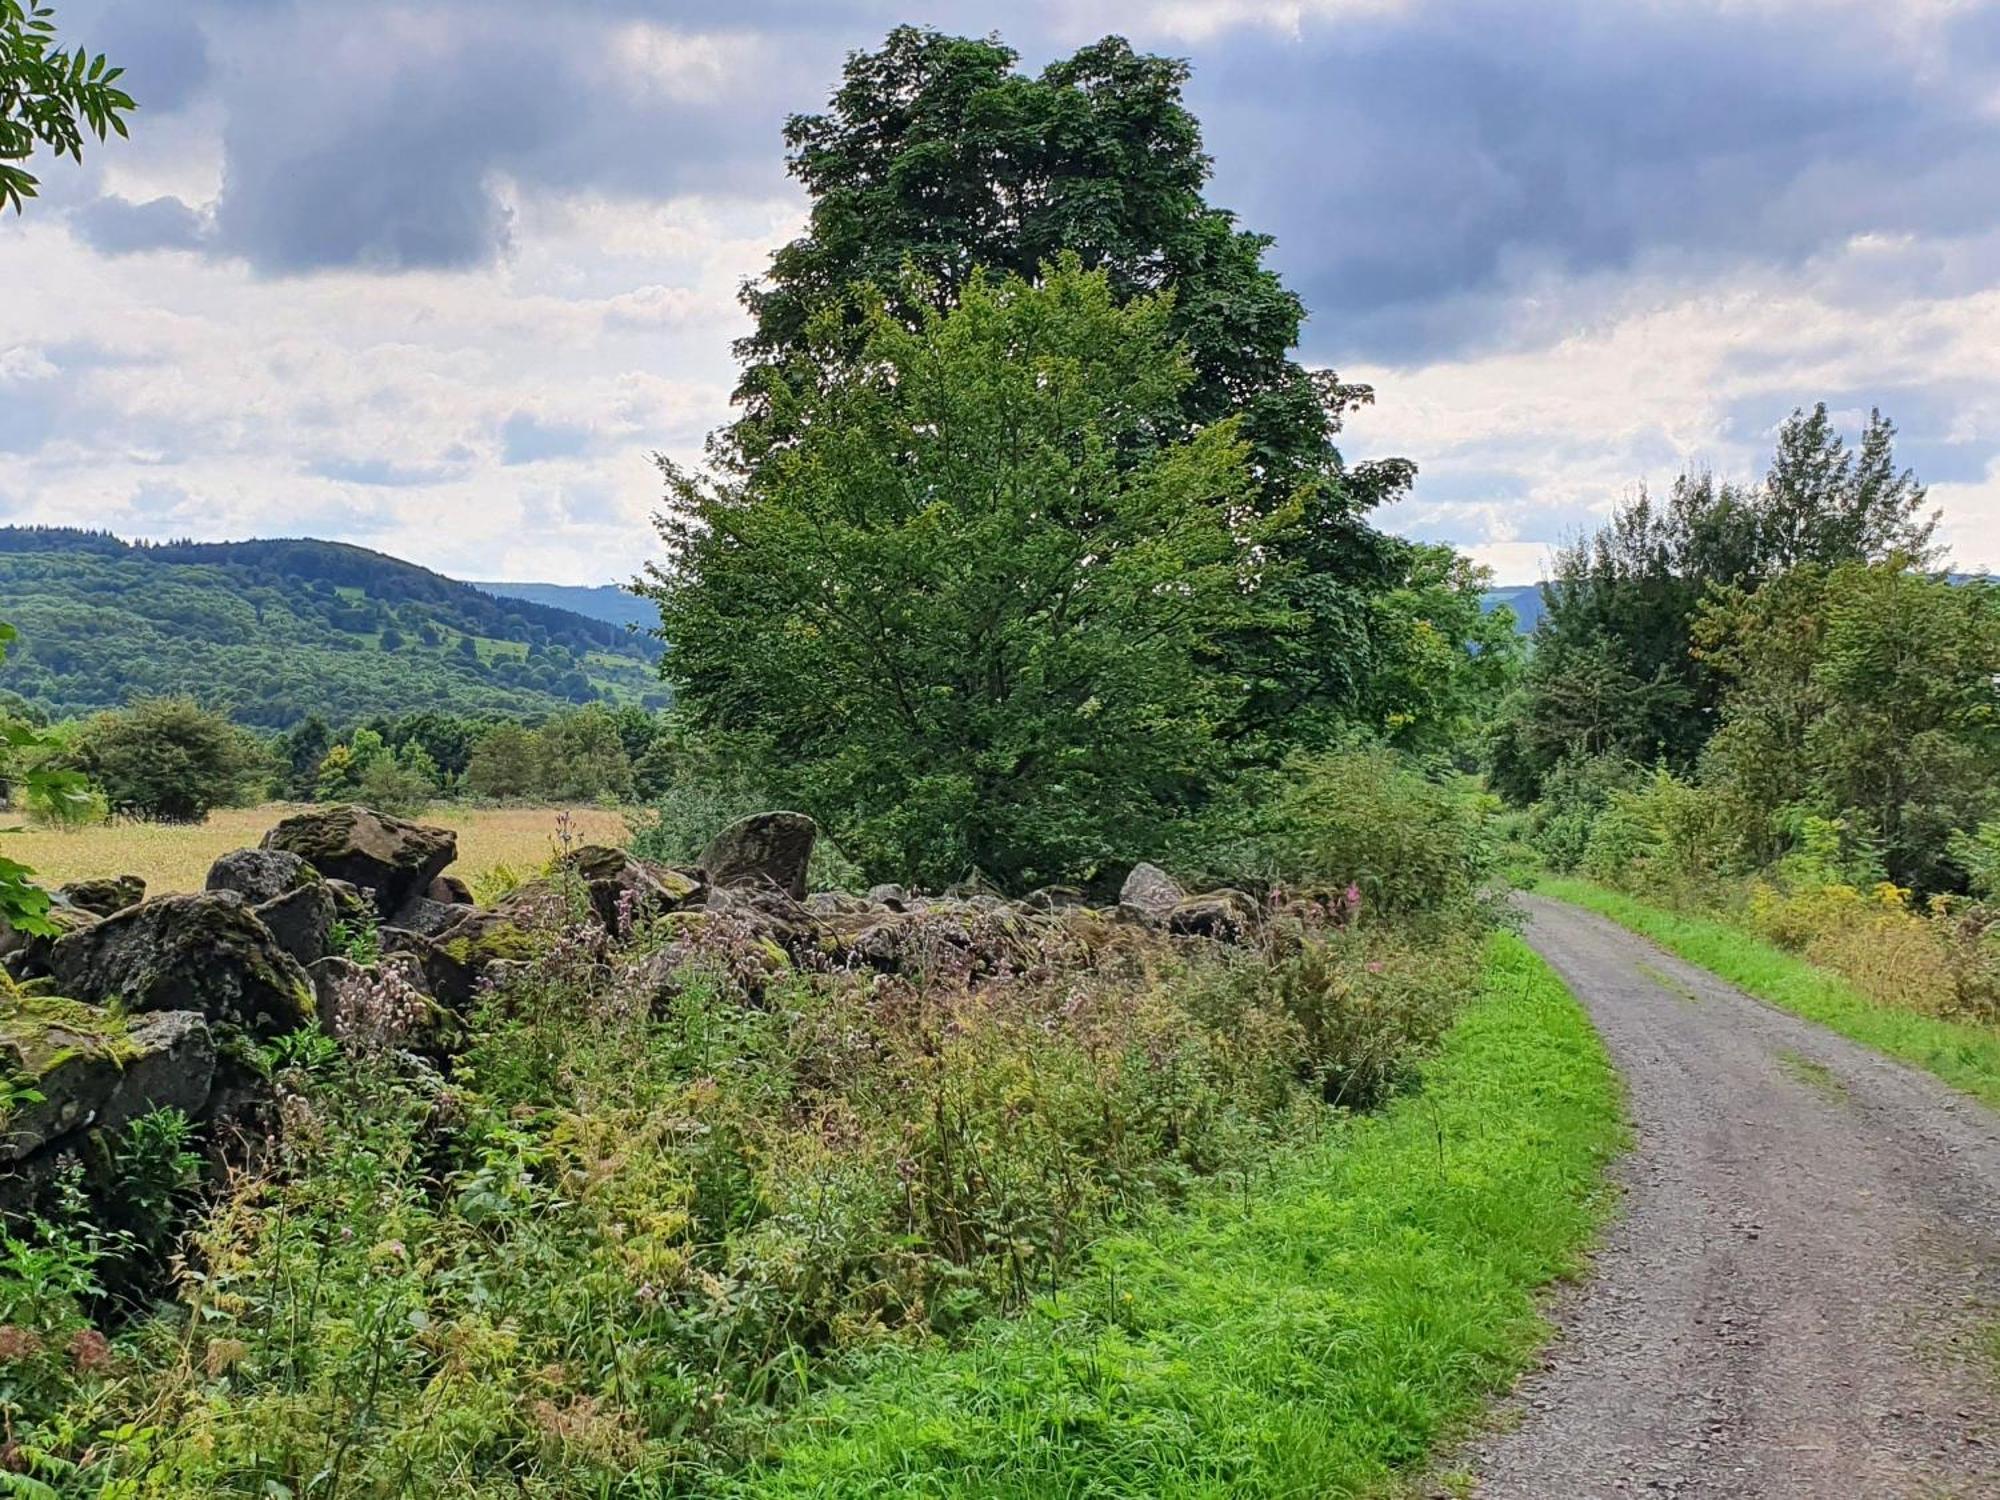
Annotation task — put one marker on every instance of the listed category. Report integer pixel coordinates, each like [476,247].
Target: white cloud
[1670,374]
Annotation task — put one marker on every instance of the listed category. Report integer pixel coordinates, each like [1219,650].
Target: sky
[439,276]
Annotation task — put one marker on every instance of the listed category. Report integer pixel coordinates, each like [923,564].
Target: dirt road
[1800,1296]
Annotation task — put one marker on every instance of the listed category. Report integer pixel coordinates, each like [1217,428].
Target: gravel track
[1799,1295]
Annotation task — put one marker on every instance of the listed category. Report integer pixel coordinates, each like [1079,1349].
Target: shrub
[1369,817]
[171,759]
[1577,789]
[1665,836]
[391,785]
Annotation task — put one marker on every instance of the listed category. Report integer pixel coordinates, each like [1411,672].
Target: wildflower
[379,1012]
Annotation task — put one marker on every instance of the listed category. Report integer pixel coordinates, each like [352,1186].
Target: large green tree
[171,759]
[967,614]
[49,97]
[937,154]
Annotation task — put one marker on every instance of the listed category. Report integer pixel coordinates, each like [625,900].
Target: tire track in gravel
[1798,1295]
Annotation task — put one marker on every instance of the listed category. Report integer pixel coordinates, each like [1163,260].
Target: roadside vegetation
[1315,1329]
[1963,1052]
[1763,721]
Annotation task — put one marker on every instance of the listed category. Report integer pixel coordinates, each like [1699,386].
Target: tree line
[1778,667]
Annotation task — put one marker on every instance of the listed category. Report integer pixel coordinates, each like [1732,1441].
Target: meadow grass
[1963,1054]
[176,856]
[1317,1331]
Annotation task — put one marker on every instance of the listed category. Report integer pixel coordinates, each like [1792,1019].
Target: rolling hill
[603,601]
[274,630]
[1525,599]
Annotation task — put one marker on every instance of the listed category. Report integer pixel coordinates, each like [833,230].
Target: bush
[170,759]
[390,785]
[1577,789]
[1665,836]
[1366,817]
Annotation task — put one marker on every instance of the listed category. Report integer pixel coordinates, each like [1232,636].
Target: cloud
[164,55]
[525,439]
[443,273]
[118,226]
[380,471]
[1418,165]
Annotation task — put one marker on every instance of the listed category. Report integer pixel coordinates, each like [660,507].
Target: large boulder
[391,859]
[96,1070]
[260,875]
[206,952]
[765,849]
[624,889]
[301,920]
[104,895]
[1150,893]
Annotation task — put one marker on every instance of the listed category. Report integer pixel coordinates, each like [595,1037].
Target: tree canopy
[967,615]
[938,156]
[1614,668]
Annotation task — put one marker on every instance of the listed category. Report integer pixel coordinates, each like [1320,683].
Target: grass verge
[1963,1055]
[1314,1333]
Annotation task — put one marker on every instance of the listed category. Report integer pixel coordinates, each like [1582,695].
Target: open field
[176,857]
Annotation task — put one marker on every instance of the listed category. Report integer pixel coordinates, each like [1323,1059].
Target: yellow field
[176,857]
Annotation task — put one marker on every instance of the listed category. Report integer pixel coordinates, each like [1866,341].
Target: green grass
[1963,1055]
[1313,1334]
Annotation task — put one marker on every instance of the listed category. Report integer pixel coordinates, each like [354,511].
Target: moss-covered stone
[260,875]
[623,888]
[105,895]
[203,952]
[390,858]
[94,1068]
[770,850]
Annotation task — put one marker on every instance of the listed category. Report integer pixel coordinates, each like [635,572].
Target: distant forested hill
[1525,599]
[604,601]
[274,630]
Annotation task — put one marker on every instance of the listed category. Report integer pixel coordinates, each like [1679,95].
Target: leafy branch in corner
[48,96]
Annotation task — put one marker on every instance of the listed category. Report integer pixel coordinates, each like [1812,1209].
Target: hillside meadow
[176,856]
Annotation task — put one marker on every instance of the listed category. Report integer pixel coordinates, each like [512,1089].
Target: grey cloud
[118,226]
[1416,165]
[389,161]
[1420,157]
[164,55]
